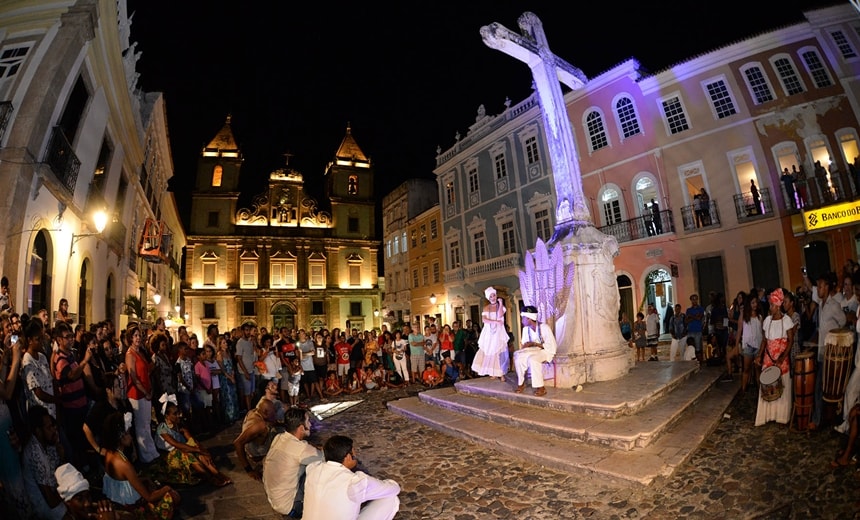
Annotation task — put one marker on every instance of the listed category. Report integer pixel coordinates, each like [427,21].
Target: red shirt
[141,368]
[342,349]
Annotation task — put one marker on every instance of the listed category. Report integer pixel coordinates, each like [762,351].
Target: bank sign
[831,216]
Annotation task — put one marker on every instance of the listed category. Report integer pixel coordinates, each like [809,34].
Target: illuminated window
[354,262]
[352,185]
[249,275]
[403,240]
[721,100]
[423,234]
[611,206]
[596,131]
[434,229]
[414,238]
[788,76]
[627,119]
[673,111]
[816,68]
[316,270]
[449,193]
[216,175]
[208,273]
[758,84]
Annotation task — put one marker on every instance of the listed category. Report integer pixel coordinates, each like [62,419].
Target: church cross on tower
[548,69]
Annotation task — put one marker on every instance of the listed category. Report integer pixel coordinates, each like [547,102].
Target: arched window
[39,295]
[610,200]
[352,185]
[216,175]
[627,119]
[596,131]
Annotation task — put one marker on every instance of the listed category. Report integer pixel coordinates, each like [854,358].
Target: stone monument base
[590,368]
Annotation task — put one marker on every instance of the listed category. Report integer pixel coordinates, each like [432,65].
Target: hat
[488,291]
[530,312]
[70,482]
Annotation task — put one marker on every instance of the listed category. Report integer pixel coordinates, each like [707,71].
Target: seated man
[253,443]
[42,456]
[335,490]
[537,346]
[284,465]
[452,372]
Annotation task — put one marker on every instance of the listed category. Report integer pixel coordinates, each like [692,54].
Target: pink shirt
[204,376]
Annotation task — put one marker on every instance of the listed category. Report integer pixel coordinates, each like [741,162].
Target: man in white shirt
[537,346]
[285,463]
[333,490]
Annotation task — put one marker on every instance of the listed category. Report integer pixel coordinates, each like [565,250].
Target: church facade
[287,260]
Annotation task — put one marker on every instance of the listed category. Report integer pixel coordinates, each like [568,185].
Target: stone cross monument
[590,345]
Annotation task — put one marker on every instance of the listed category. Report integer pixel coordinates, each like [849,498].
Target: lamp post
[100,219]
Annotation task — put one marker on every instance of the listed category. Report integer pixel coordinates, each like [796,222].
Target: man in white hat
[537,346]
[75,492]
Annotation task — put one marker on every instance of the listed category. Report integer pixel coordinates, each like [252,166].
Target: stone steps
[636,428]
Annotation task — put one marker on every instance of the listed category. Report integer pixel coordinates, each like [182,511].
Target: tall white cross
[548,69]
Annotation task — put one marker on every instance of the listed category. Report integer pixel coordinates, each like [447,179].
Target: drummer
[830,316]
[778,334]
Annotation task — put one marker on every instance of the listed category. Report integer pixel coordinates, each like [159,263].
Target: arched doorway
[625,296]
[817,258]
[283,315]
[39,289]
[85,295]
[659,291]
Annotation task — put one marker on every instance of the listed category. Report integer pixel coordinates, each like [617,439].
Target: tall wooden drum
[804,388]
[838,360]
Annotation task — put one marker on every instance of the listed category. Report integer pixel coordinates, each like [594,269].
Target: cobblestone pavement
[740,471]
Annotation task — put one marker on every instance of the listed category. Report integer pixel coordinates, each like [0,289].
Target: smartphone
[14,338]
[803,270]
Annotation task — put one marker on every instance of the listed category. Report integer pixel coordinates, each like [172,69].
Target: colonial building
[400,207]
[84,162]
[428,298]
[286,260]
[683,166]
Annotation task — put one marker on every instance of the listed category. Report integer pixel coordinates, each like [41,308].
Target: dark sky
[406,76]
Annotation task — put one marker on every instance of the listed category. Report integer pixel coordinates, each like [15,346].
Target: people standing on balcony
[788,184]
[655,218]
[756,197]
[703,206]
[800,184]
[821,179]
[648,218]
[492,357]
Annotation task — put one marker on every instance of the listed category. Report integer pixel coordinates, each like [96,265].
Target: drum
[804,388]
[771,383]
[838,360]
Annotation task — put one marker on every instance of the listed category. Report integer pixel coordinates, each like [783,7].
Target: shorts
[310,376]
[749,351]
[293,389]
[204,398]
[697,340]
[653,340]
[322,372]
[342,369]
[245,382]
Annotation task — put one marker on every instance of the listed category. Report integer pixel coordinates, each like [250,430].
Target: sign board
[831,216]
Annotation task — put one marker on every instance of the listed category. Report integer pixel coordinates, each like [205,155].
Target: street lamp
[375,313]
[432,299]
[100,219]
[156,298]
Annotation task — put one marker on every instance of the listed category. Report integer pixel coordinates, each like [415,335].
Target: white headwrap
[488,291]
[530,315]
[70,482]
[166,398]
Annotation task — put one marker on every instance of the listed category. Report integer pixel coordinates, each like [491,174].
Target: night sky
[407,77]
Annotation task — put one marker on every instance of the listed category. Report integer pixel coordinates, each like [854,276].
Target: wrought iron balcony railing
[748,207]
[62,159]
[700,216]
[641,227]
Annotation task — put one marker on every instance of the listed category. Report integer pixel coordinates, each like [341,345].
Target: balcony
[700,216]
[511,261]
[747,208]
[62,159]
[641,227]
[5,115]
[818,192]
[455,275]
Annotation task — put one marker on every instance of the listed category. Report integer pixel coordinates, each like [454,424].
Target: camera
[13,339]
[803,270]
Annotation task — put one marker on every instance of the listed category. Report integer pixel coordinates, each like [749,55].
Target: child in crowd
[369,381]
[430,377]
[332,384]
[452,373]
[294,383]
[355,383]
[640,336]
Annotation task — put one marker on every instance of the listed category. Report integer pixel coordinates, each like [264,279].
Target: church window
[249,308]
[209,311]
[212,220]
[209,273]
[354,274]
[316,269]
[352,225]
[216,176]
[352,185]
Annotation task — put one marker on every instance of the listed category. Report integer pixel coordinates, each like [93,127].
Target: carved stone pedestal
[590,345]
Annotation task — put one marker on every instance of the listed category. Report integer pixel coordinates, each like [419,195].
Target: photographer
[68,374]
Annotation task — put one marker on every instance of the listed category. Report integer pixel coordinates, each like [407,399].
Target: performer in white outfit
[537,346]
[334,490]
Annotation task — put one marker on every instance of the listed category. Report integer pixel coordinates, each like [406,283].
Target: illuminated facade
[78,139]
[285,260]
[721,122]
[399,208]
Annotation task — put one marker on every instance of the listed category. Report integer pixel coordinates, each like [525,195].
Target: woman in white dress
[776,347]
[492,358]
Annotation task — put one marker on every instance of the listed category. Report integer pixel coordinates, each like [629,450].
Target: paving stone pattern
[739,471]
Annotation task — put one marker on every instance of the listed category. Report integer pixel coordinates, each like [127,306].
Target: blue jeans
[697,337]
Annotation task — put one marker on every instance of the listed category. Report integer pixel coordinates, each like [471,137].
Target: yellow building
[286,260]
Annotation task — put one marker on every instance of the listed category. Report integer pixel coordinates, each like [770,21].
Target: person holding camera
[68,374]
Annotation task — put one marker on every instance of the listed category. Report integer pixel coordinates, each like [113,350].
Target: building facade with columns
[682,166]
[76,137]
[287,260]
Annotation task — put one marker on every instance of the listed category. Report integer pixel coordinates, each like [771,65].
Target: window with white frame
[721,98]
[437,272]
[11,58]
[596,130]
[434,229]
[454,254]
[209,265]
[815,67]
[628,121]
[473,180]
[248,269]
[543,230]
[611,201]
[415,278]
[532,155]
[403,238]
[282,270]
[316,271]
[449,193]
[758,84]
[480,246]
[787,75]
[508,239]
[843,45]
[425,275]
[674,115]
[500,165]
[354,274]
[396,245]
